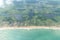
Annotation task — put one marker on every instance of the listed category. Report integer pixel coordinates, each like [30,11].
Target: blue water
[33,34]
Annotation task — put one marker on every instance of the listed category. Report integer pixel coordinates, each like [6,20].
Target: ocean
[33,34]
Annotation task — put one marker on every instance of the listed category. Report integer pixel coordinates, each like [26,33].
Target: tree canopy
[30,13]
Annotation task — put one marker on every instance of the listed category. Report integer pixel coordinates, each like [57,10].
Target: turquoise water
[33,34]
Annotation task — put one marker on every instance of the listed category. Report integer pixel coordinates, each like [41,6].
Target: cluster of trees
[19,14]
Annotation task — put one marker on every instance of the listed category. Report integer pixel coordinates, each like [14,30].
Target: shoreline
[31,27]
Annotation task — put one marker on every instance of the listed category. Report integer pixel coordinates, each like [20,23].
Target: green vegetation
[21,14]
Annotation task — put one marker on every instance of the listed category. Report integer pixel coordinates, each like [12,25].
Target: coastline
[31,27]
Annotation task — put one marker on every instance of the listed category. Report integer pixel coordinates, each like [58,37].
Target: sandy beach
[31,27]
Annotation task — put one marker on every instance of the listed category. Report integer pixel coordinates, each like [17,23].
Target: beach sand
[31,27]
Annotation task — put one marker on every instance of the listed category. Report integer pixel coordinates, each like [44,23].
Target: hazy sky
[1,3]
[7,2]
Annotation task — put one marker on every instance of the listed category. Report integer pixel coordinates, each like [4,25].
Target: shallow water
[33,34]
